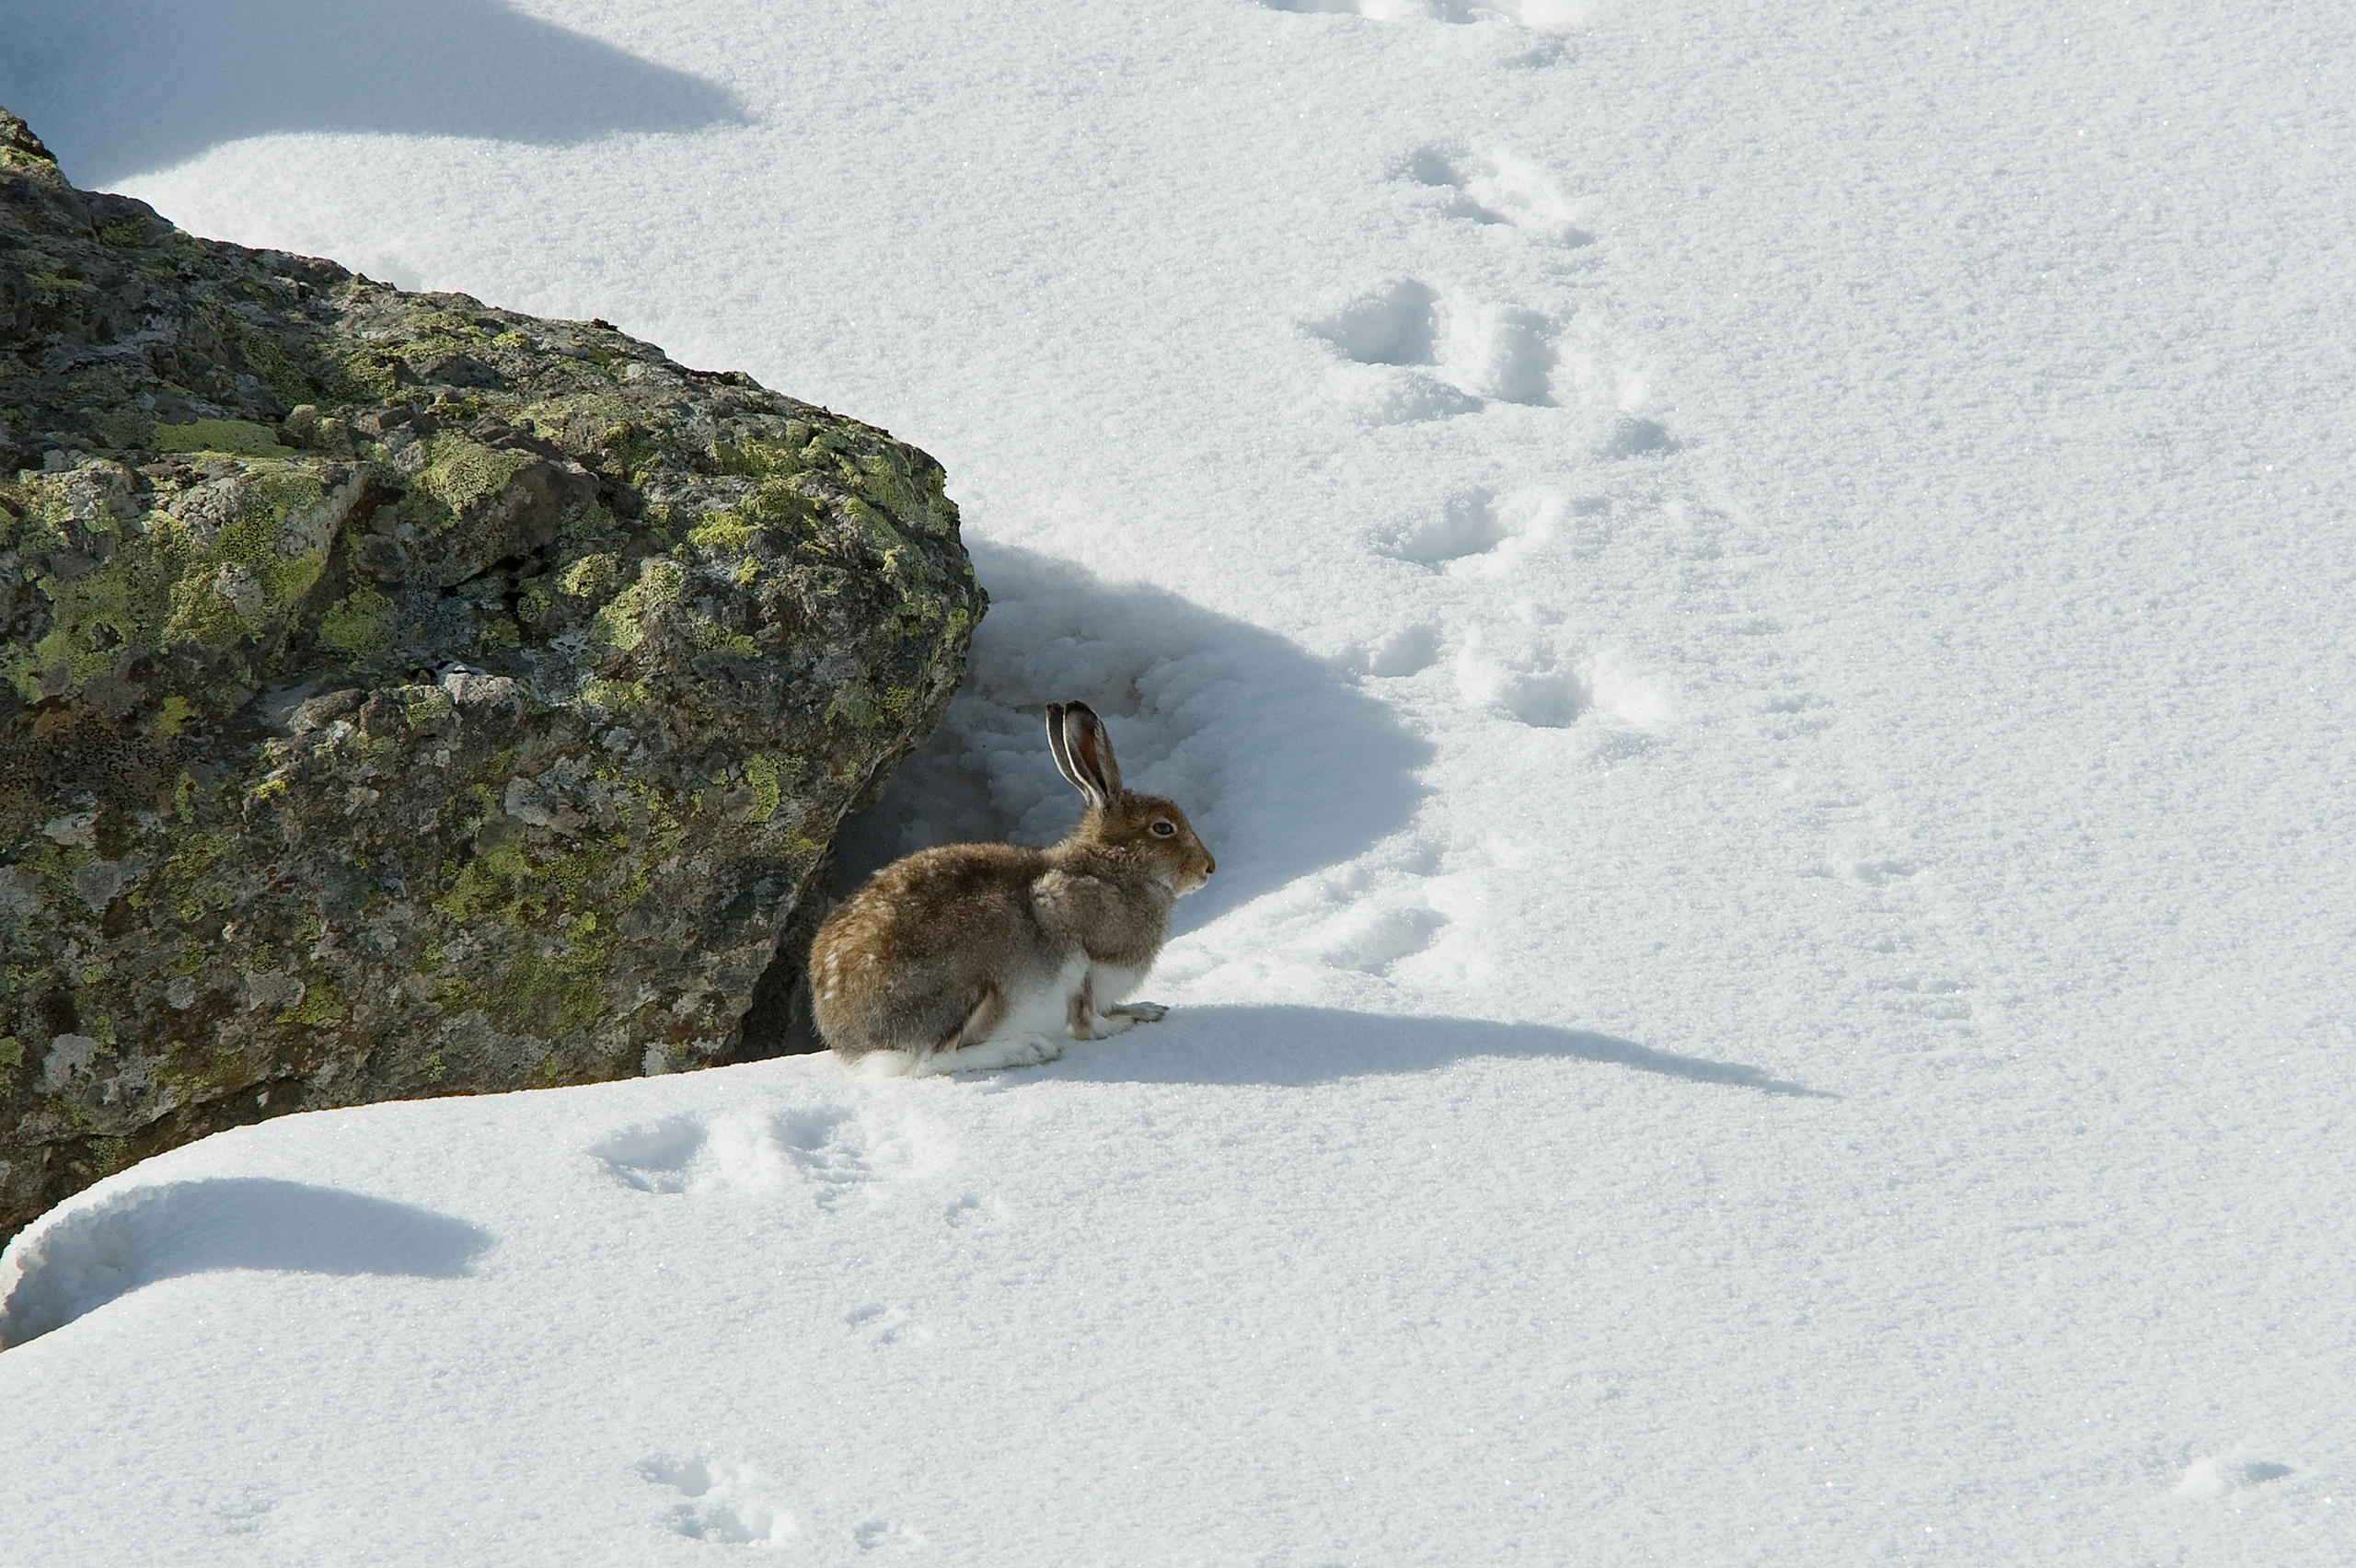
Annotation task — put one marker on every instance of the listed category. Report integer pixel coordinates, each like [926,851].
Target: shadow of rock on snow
[1284,764]
[90,1255]
[120,88]
[1292,1047]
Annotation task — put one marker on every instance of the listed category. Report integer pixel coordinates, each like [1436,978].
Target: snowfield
[1758,603]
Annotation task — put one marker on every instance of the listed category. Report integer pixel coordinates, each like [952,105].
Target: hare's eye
[1164,828]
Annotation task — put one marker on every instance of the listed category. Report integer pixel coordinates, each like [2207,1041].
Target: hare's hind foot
[1138,1012]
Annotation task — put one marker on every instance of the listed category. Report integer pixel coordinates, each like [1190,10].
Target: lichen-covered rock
[403,697]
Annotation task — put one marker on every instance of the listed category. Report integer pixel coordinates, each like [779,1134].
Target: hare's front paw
[1103,1026]
[1139,1012]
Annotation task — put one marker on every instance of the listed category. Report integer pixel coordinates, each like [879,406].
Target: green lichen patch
[620,625]
[460,474]
[358,624]
[243,438]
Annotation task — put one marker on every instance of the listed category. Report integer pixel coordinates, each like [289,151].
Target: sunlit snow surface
[1757,602]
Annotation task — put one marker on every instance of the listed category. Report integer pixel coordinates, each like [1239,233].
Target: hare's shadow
[96,1252]
[121,87]
[1282,760]
[1293,1047]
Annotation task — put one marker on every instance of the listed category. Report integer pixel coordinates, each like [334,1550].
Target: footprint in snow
[1395,323]
[720,1504]
[2222,1473]
[873,1534]
[829,1148]
[1478,352]
[1477,522]
[1632,437]
[1372,940]
[1537,686]
[877,1323]
[1403,650]
[657,1158]
[1498,190]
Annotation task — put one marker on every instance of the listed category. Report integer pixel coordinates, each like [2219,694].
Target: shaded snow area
[1757,602]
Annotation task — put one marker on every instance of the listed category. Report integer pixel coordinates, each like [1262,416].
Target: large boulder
[401,696]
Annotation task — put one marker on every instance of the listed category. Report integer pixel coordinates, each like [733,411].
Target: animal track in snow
[1469,524]
[829,1149]
[1927,997]
[1479,350]
[1534,678]
[723,1505]
[2222,1473]
[1632,437]
[1498,190]
[1394,323]
[1371,941]
[656,1158]
[1539,673]
[876,1322]
[1403,650]
[830,1146]
[1474,523]
[872,1533]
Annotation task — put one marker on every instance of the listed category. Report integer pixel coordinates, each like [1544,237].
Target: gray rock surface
[402,697]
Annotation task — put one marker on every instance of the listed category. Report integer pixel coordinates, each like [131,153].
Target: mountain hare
[988,955]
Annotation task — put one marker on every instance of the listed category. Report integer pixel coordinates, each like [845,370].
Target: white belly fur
[1107,985]
[1037,1018]
[1038,1006]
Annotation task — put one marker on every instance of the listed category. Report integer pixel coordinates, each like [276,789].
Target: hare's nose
[1209,865]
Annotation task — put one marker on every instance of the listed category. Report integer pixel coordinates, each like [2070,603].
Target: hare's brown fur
[949,946]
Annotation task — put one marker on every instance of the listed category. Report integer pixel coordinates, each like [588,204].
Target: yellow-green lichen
[721,533]
[366,376]
[763,459]
[168,582]
[241,438]
[620,697]
[858,705]
[459,473]
[172,714]
[546,996]
[720,640]
[620,625]
[360,623]
[277,370]
[489,881]
[763,771]
[591,577]
[424,706]
[319,1005]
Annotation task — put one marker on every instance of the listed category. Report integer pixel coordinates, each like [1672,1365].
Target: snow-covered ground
[1757,602]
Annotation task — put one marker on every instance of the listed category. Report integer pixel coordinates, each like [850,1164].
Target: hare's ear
[1084,751]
